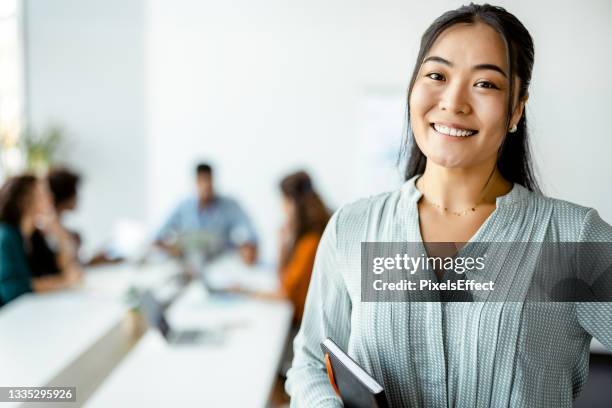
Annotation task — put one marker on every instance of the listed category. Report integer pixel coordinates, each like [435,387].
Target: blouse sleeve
[14,272]
[327,314]
[595,255]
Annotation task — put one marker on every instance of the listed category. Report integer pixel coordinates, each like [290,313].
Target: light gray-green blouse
[434,354]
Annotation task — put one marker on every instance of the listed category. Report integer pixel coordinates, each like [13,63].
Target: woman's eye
[486,85]
[435,76]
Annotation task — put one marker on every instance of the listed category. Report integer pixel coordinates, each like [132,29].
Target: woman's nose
[454,100]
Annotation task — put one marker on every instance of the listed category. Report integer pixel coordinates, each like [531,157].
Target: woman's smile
[453,130]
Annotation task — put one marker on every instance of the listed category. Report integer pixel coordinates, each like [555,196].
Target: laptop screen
[153,312]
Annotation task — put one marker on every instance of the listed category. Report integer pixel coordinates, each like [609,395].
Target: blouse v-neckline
[411,195]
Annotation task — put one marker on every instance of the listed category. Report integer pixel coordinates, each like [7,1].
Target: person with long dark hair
[56,246]
[24,204]
[469,179]
[305,219]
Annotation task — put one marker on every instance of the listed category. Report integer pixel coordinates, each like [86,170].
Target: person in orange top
[306,217]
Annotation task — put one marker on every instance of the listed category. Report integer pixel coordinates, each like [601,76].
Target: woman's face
[288,208]
[459,99]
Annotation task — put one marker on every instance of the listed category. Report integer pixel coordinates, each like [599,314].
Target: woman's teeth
[453,131]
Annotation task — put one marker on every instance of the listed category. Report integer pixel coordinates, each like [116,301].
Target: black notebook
[352,383]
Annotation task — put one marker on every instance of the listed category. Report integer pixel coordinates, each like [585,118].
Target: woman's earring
[513,129]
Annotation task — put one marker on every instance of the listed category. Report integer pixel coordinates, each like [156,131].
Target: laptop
[154,314]
[200,245]
[190,271]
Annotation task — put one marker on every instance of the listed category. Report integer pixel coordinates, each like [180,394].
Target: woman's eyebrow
[478,67]
[492,67]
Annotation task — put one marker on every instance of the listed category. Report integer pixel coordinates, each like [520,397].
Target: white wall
[85,71]
[263,87]
[569,99]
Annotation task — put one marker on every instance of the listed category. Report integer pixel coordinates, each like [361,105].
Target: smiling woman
[456,94]
[473,71]
[469,179]
[466,98]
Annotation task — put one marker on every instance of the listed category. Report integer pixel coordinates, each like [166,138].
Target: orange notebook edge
[330,374]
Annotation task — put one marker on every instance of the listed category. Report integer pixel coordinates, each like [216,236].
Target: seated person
[212,215]
[47,243]
[24,203]
[306,218]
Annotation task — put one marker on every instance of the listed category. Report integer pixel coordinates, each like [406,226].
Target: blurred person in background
[47,241]
[209,213]
[25,202]
[305,219]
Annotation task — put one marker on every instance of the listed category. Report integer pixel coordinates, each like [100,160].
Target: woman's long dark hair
[311,215]
[514,157]
[14,196]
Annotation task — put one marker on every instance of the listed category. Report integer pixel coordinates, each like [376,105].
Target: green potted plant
[40,149]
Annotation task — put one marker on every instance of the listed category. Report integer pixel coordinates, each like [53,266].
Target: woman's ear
[518,112]
[520,105]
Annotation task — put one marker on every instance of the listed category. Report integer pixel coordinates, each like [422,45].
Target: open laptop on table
[201,245]
[155,316]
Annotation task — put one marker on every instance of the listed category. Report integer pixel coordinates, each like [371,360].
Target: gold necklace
[460,213]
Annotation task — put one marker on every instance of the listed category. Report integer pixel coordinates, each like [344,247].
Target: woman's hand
[73,275]
[248,253]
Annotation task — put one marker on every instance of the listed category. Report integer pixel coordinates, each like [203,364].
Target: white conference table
[239,371]
[112,282]
[58,339]
[43,334]
[55,339]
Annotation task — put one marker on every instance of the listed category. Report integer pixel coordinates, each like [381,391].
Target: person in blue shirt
[208,215]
